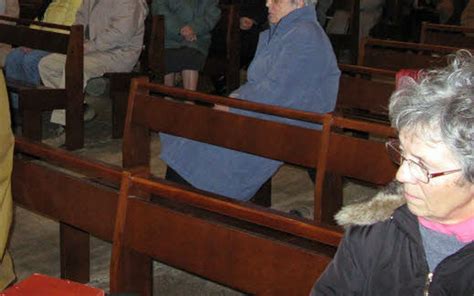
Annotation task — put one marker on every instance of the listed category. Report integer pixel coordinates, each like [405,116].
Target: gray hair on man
[440,107]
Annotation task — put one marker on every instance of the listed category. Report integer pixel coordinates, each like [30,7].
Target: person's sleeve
[126,20]
[6,163]
[204,23]
[173,21]
[292,71]
[345,274]
[12,8]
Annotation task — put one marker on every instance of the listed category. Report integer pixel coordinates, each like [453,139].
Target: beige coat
[7,274]
[11,9]
[115,31]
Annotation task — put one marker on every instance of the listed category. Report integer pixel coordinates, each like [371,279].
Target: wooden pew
[448,35]
[346,155]
[250,249]
[396,55]
[270,139]
[224,52]
[34,100]
[364,92]
[283,142]
[151,65]
[253,250]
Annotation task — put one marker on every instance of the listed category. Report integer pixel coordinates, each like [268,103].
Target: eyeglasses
[417,170]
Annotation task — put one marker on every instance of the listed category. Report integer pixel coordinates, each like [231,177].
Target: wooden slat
[291,144]
[448,35]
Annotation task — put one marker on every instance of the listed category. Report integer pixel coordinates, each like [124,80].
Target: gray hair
[440,106]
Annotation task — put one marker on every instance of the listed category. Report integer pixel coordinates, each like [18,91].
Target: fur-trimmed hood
[376,209]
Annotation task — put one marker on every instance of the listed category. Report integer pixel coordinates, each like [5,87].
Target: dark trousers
[263,197]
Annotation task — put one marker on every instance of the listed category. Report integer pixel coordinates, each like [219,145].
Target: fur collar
[376,209]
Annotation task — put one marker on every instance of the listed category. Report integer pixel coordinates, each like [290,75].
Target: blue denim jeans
[22,65]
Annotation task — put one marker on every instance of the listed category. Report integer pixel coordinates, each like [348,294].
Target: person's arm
[127,18]
[204,23]
[345,274]
[173,21]
[12,8]
[296,67]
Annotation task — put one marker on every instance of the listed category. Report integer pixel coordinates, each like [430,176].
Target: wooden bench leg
[331,198]
[75,127]
[135,274]
[119,111]
[74,253]
[32,124]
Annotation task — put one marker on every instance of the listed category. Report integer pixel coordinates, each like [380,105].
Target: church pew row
[396,55]
[448,35]
[364,92]
[33,100]
[307,147]
[249,248]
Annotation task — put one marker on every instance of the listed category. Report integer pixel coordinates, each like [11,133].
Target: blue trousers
[22,65]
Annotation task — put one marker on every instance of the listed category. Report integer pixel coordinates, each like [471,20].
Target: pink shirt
[463,231]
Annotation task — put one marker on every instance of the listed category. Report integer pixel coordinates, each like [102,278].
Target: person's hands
[188,33]
[246,23]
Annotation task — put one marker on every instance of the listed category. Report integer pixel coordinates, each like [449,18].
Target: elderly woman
[294,67]
[188,26]
[426,246]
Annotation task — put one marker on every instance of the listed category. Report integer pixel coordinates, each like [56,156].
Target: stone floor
[34,239]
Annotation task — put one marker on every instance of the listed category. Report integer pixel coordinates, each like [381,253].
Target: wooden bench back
[396,55]
[289,143]
[18,33]
[256,258]
[364,92]
[448,35]
[237,244]
[344,154]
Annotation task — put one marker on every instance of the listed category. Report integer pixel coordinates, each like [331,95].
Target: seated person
[7,274]
[8,8]
[188,26]
[426,246]
[294,67]
[113,31]
[22,63]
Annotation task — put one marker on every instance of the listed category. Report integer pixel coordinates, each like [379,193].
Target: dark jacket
[388,258]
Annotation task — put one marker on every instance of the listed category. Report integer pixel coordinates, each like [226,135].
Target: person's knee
[14,64]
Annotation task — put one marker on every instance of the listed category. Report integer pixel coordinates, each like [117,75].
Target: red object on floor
[43,285]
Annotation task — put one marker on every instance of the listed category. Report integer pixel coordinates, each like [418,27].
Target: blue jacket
[294,67]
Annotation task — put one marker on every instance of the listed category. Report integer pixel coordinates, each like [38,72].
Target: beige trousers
[51,69]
